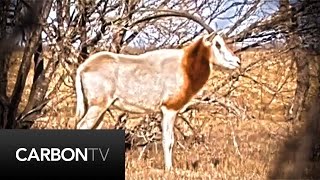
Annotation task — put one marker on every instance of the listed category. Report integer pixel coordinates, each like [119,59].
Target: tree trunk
[9,106]
[303,84]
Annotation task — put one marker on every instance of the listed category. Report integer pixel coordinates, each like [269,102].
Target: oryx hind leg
[90,119]
[95,114]
[100,121]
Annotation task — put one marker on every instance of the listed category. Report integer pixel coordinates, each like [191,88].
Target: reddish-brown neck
[196,70]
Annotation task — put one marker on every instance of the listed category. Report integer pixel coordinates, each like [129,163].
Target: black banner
[91,153]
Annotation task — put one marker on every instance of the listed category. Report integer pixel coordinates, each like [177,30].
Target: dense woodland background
[259,122]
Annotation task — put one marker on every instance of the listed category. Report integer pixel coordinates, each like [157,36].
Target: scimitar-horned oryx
[161,81]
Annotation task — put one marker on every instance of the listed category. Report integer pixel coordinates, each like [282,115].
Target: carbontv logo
[64,154]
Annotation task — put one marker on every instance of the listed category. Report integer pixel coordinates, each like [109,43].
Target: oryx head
[222,54]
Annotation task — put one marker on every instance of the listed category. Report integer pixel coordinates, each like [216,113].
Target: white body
[156,81]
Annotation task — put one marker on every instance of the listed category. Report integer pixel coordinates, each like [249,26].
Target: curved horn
[210,36]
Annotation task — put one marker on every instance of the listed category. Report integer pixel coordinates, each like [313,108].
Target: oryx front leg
[168,120]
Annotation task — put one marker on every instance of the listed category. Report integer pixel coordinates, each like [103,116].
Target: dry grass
[260,146]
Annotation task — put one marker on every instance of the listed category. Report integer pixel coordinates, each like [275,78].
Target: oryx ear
[207,39]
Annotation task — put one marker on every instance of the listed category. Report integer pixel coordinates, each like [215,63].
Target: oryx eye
[218,45]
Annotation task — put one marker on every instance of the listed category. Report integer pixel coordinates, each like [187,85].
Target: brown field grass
[258,145]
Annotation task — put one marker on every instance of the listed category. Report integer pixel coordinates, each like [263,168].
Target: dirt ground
[255,142]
